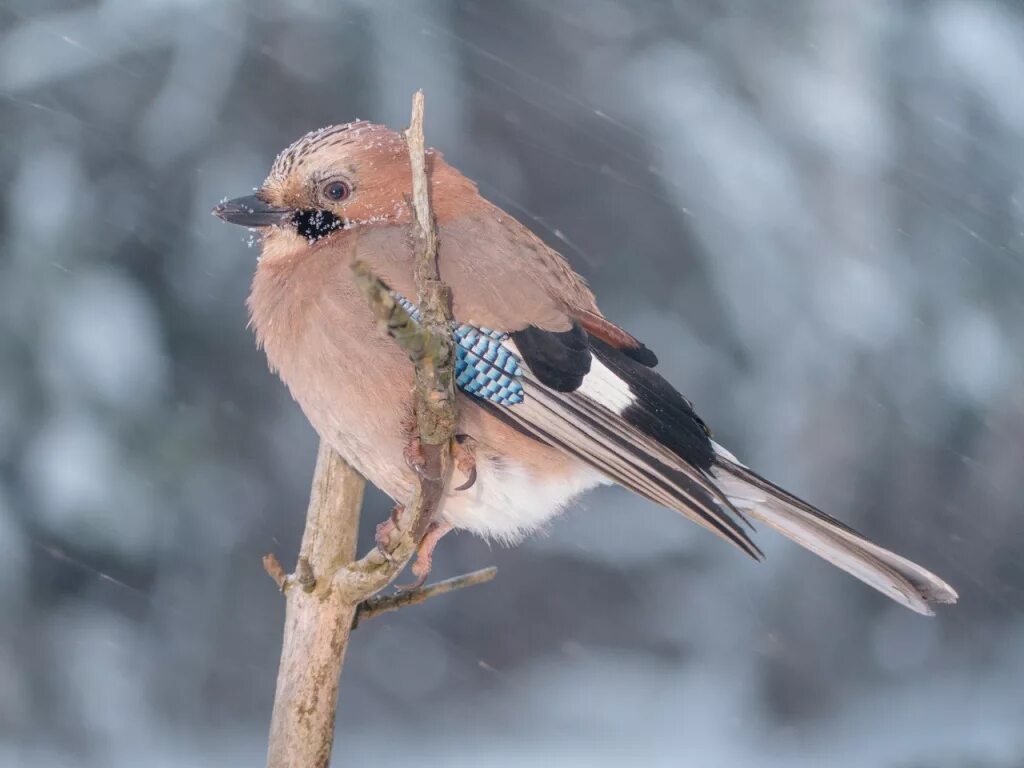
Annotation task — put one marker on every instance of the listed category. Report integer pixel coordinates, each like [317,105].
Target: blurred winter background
[813,211]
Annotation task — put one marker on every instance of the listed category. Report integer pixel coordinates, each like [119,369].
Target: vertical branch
[435,377]
[318,620]
[425,268]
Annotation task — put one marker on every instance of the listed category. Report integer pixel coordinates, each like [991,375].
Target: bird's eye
[336,190]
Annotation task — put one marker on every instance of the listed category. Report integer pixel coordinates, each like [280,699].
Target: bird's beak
[250,211]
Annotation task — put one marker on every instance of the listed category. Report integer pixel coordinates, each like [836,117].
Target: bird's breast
[320,337]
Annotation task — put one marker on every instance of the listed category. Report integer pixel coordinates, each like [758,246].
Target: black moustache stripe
[314,224]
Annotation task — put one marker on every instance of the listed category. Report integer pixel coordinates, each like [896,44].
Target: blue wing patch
[484,367]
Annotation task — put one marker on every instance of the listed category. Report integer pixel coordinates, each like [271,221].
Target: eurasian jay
[554,398]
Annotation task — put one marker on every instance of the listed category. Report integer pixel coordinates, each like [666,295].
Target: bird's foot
[387,530]
[425,554]
[465,460]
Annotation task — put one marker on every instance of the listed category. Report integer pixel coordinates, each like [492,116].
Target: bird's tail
[905,582]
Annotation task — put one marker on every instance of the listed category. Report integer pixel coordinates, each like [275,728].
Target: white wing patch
[605,388]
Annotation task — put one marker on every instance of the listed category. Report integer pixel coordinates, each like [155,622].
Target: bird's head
[332,179]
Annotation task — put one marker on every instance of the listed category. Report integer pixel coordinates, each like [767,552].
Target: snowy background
[813,211]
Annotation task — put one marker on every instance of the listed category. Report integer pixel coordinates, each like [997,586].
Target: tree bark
[318,620]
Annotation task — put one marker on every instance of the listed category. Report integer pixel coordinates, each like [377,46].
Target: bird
[553,399]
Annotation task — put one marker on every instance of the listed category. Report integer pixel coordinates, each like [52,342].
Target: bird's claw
[470,481]
[465,460]
[421,579]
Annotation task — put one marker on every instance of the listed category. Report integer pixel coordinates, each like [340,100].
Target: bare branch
[379,604]
[435,378]
[318,619]
[426,269]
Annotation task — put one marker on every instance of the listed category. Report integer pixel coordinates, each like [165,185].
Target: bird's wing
[599,404]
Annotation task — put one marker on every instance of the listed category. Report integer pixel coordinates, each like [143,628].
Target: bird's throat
[314,224]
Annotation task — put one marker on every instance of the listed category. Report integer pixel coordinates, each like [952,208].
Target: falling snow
[811,211]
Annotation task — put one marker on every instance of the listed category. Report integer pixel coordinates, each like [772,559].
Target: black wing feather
[559,360]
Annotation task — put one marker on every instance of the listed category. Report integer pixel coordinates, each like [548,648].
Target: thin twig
[379,604]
